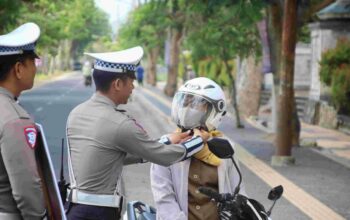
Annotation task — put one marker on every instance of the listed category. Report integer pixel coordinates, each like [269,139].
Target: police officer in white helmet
[21,195]
[100,135]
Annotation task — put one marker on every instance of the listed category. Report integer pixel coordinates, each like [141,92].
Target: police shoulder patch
[30,133]
[139,126]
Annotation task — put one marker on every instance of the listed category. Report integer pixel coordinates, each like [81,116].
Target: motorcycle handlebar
[216,196]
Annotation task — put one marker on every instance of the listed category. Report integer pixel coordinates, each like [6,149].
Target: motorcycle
[87,80]
[137,210]
[235,206]
[230,206]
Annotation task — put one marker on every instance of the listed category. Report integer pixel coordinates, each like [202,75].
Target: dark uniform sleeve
[19,160]
[133,139]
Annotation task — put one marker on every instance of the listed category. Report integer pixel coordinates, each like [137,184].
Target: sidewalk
[316,187]
[331,143]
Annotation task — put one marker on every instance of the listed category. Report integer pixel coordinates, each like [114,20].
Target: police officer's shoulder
[11,111]
[128,122]
[123,114]
[122,117]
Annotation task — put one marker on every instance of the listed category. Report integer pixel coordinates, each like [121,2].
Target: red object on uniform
[30,133]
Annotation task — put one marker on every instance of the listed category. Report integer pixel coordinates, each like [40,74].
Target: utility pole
[286,86]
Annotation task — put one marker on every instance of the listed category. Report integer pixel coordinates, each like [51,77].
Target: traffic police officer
[21,195]
[100,135]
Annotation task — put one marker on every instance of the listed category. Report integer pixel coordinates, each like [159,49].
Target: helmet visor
[190,111]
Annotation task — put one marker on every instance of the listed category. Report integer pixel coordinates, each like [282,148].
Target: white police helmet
[199,103]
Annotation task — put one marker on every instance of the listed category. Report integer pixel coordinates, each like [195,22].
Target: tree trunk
[274,28]
[59,57]
[275,15]
[52,61]
[152,66]
[44,67]
[175,40]
[286,96]
[67,56]
[73,51]
[249,82]
[233,95]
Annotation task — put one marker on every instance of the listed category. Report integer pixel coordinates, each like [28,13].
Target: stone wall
[320,113]
[302,67]
[327,116]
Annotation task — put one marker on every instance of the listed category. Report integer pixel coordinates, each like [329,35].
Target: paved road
[50,105]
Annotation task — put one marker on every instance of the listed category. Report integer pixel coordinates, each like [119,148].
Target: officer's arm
[131,159]
[20,164]
[132,138]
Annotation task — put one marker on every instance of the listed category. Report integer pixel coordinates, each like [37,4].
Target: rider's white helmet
[199,103]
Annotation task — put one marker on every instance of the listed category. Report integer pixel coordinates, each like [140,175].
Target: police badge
[30,134]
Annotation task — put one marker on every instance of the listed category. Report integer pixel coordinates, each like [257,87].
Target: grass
[42,77]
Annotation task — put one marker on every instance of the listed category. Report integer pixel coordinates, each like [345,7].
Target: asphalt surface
[50,104]
[324,179]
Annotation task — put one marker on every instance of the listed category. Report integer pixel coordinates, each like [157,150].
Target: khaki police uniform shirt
[20,184]
[100,136]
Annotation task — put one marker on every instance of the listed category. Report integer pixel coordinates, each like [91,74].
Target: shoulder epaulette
[120,110]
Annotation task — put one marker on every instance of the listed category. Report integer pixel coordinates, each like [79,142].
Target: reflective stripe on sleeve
[192,146]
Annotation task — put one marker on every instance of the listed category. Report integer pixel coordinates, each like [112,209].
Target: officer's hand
[202,133]
[177,137]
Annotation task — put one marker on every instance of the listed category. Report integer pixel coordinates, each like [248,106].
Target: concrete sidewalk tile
[329,144]
[310,129]
[342,153]
[315,135]
[296,195]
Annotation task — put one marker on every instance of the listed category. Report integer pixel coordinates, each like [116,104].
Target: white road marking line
[39,109]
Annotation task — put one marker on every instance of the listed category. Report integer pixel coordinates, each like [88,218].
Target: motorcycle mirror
[275,193]
[221,148]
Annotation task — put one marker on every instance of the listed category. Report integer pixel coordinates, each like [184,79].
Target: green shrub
[335,72]
[215,70]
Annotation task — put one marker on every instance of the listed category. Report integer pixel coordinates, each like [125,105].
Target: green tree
[222,32]
[85,24]
[335,73]
[9,10]
[146,26]
[58,22]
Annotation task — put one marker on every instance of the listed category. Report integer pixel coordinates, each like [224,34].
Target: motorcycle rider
[199,103]
[87,70]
